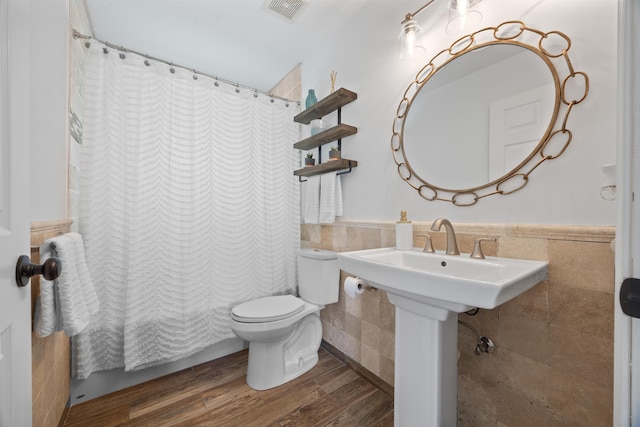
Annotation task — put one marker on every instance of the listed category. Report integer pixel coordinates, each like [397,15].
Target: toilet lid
[267,309]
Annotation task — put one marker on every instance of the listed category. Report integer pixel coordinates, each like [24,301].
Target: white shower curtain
[188,206]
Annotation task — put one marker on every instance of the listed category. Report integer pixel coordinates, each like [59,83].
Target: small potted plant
[334,153]
[309,160]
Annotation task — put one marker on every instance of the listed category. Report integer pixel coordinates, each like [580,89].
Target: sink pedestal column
[426,365]
[429,290]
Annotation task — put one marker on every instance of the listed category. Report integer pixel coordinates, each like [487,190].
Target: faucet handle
[428,246]
[477,247]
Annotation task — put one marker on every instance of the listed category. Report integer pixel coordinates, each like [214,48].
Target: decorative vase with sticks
[333,81]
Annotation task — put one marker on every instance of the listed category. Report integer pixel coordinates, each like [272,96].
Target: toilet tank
[318,276]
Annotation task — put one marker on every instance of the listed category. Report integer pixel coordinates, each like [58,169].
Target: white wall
[49,113]
[562,191]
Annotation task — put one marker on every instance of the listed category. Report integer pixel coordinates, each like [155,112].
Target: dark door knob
[630,297]
[51,269]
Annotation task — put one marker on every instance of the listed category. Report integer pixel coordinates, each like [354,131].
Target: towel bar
[349,170]
[33,247]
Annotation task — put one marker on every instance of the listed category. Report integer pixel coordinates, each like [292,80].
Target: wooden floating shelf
[325,106]
[331,134]
[337,99]
[328,166]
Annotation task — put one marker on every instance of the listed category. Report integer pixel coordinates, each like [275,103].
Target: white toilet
[284,332]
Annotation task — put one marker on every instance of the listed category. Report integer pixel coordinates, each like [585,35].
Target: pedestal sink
[429,290]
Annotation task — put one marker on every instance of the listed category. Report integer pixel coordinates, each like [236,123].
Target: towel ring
[51,269]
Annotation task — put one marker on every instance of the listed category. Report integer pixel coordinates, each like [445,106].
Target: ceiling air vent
[289,10]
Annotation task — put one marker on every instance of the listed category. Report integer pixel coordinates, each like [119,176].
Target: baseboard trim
[357,367]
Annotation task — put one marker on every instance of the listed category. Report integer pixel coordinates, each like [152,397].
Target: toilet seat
[267,309]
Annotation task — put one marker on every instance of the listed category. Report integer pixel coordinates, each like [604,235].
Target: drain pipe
[483,344]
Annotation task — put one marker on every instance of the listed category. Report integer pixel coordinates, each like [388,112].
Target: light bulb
[462,6]
[411,38]
[463,17]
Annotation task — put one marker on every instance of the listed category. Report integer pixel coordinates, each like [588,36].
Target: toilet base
[274,363]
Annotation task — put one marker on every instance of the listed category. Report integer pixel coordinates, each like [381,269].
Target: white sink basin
[453,282]
[428,291]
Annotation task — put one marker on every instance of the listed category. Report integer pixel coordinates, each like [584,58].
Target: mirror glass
[483,114]
[479,116]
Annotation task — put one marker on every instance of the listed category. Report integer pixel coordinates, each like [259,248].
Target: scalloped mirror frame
[554,141]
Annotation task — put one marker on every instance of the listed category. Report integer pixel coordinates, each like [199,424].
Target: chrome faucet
[452,245]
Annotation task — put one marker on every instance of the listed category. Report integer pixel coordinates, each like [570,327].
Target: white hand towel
[88,290]
[312,200]
[338,196]
[69,302]
[330,198]
[47,315]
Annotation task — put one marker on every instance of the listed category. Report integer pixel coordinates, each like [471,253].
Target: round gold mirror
[484,113]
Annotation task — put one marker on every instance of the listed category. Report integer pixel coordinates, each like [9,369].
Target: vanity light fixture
[409,46]
[463,14]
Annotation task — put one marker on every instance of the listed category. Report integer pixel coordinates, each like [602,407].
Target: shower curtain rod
[78,35]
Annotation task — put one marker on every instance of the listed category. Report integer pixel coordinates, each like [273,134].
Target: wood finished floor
[216,394]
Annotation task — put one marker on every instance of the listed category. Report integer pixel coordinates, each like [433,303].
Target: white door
[626,410]
[15,302]
[516,125]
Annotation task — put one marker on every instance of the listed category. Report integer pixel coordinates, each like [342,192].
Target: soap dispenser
[404,233]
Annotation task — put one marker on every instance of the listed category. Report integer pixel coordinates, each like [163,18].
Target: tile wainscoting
[553,363]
